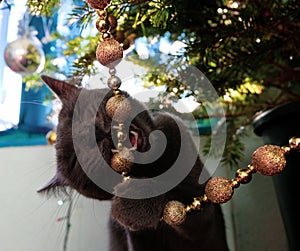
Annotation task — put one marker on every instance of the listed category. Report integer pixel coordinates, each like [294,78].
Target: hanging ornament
[51,137]
[25,55]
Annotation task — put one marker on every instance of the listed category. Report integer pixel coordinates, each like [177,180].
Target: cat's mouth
[137,138]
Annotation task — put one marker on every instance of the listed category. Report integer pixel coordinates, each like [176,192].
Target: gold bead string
[102,24]
[109,53]
[267,160]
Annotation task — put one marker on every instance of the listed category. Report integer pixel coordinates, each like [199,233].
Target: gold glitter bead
[294,143]
[118,108]
[174,213]
[218,190]
[243,176]
[268,160]
[51,137]
[122,161]
[98,4]
[109,52]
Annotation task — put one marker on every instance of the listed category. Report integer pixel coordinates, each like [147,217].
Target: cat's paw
[134,207]
[138,214]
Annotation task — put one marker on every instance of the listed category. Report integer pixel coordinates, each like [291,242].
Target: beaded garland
[267,160]
[109,53]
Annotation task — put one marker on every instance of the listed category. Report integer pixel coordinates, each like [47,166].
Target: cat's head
[83,111]
[86,138]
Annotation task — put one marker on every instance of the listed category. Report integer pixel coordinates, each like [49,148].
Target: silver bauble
[25,55]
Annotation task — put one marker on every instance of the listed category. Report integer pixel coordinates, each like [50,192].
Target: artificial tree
[247,49]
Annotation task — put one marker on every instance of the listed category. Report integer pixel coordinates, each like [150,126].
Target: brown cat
[135,224]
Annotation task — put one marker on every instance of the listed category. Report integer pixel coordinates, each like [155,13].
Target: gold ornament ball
[98,4]
[174,213]
[118,108]
[218,190]
[109,53]
[268,160]
[51,137]
[122,161]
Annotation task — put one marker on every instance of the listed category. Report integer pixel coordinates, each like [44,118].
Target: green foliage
[33,81]
[45,7]
[83,15]
[249,51]
[84,48]
[159,13]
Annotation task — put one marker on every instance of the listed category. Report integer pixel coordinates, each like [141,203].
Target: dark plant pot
[35,110]
[276,126]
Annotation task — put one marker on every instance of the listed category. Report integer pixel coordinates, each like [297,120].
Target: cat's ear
[54,183]
[61,88]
